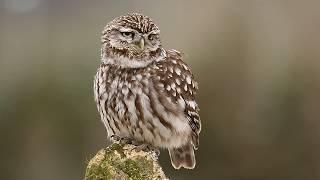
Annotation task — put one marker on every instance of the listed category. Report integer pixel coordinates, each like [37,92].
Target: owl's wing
[179,82]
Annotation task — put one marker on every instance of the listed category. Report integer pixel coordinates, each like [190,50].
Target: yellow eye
[127,34]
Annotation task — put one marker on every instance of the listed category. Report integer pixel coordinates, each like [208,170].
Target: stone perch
[123,162]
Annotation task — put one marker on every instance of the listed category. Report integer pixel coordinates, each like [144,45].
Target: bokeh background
[257,63]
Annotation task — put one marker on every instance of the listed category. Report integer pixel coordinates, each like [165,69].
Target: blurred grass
[257,63]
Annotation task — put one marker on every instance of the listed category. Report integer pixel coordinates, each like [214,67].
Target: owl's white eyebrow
[123,29]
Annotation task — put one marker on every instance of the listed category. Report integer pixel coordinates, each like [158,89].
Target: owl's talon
[115,139]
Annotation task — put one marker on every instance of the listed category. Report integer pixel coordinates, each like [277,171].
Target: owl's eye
[127,34]
[151,36]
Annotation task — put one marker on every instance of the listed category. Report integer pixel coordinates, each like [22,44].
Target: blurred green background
[257,63]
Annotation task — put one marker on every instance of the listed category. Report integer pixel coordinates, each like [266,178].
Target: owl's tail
[183,157]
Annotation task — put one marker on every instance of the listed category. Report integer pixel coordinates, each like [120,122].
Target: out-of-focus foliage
[257,64]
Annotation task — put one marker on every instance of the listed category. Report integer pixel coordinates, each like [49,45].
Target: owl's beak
[141,43]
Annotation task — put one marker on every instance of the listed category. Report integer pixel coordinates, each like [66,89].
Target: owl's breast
[132,103]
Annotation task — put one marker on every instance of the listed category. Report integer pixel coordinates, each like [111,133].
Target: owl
[146,93]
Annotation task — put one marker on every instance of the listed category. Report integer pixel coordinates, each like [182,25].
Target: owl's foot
[126,140]
[139,146]
[123,140]
[115,139]
[147,148]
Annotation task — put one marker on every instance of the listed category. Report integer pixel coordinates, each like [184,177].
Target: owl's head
[134,36]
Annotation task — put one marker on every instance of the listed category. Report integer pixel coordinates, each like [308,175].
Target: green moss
[122,162]
[99,169]
[135,169]
[116,147]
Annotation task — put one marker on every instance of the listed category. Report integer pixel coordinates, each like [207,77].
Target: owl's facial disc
[134,41]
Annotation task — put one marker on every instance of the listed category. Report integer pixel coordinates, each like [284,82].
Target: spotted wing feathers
[179,83]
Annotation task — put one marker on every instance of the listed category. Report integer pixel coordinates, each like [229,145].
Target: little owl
[146,93]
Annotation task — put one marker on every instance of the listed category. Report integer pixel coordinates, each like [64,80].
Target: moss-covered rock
[124,162]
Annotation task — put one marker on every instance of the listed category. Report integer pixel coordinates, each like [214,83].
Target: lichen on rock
[124,162]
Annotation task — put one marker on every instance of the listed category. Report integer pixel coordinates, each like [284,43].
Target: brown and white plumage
[146,93]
